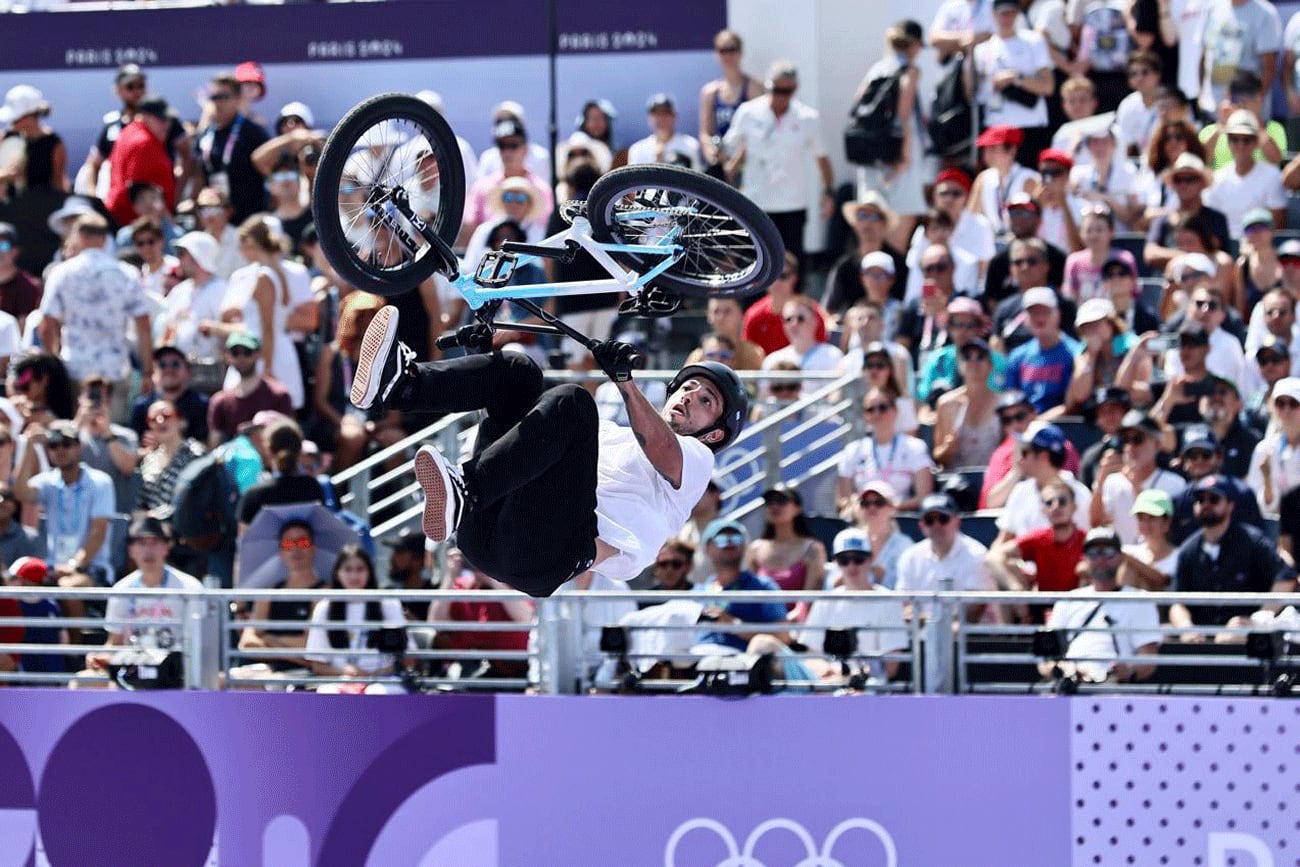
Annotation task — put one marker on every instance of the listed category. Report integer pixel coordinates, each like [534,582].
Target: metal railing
[944,653]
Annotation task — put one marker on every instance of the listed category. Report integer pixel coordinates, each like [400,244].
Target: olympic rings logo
[815,858]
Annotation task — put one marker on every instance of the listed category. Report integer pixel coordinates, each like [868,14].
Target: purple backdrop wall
[481,781]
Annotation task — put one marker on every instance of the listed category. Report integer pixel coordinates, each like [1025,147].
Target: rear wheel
[390,171]
[732,249]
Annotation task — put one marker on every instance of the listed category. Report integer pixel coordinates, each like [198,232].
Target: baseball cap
[1214,483]
[147,527]
[1114,261]
[29,570]
[244,339]
[1101,536]
[851,539]
[169,349]
[942,503]
[1001,134]
[1136,419]
[203,247]
[1011,398]
[1094,310]
[1199,436]
[1039,296]
[1289,249]
[1112,394]
[1046,436]
[878,259]
[1287,386]
[780,494]
[411,541]
[61,430]
[154,106]
[977,343]
[1021,201]
[8,233]
[661,100]
[250,71]
[723,525]
[1241,122]
[1055,155]
[507,128]
[128,72]
[1153,502]
[1275,344]
[1257,217]
[881,487]
[1195,263]
[300,111]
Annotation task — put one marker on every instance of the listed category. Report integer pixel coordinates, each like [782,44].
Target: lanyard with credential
[226,152]
[875,454]
[66,526]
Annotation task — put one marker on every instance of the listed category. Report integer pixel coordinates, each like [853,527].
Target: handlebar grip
[638,361]
[448,341]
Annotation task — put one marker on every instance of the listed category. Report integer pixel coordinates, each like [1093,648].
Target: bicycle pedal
[495,269]
[650,304]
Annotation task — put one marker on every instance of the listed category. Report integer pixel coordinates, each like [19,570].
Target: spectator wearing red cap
[32,572]
[252,88]
[1057,224]
[972,232]
[1003,179]
[1015,76]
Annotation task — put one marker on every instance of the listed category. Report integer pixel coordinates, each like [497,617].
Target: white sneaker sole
[431,473]
[375,347]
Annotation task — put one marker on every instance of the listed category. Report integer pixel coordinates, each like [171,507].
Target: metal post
[360,486]
[857,390]
[943,645]
[200,657]
[771,456]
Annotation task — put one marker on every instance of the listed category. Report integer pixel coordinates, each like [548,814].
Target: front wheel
[390,172]
[732,248]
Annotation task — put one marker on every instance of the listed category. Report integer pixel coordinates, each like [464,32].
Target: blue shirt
[1043,374]
[748,612]
[44,662]
[69,509]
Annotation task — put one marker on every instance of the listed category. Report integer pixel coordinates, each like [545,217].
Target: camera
[1199,389]
[96,394]
[387,640]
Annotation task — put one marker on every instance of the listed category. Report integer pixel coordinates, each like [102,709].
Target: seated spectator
[966,322]
[1044,559]
[353,571]
[1109,405]
[1273,361]
[512,608]
[1121,478]
[880,369]
[298,554]
[901,460]
[878,284]
[726,317]
[1275,464]
[725,543]
[763,323]
[872,221]
[510,158]
[1174,158]
[32,572]
[1221,408]
[705,511]
[1003,178]
[874,514]
[672,568]
[591,616]
[169,451]
[967,429]
[171,383]
[1225,359]
[1245,94]
[1024,220]
[1247,182]
[801,317]
[1083,270]
[1149,563]
[879,623]
[786,551]
[944,553]
[516,200]
[1029,270]
[1041,462]
[865,325]
[16,539]
[1259,269]
[664,144]
[1107,183]
[971,232]
[1201,455]
[232,407]
[1224,556]
[1194,241]
[536,158]
[1188,178]
[1111,354]
[1042,367]
[282,440]
[1015,415]
[20,292]
[1100,633]
[922,329]
[1119,285]
[406,571]
[151,622]
[1057,226]
[935,229]
[1273,317]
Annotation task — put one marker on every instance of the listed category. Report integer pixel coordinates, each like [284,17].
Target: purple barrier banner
[409,29]
[478,781]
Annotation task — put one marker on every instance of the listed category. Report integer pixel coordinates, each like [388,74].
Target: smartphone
[96,394]
[1199,389]
[1158,345]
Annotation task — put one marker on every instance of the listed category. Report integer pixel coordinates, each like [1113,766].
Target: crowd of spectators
[1082,318]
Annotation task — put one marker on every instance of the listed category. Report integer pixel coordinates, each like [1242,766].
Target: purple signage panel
[406,30]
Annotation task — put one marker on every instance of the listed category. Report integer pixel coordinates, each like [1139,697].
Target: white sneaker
[444,493]
[382,361]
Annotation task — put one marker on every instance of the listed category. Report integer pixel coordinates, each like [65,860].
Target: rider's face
[694,407]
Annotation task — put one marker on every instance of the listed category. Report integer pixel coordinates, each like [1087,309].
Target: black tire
[400,126]
[742,261]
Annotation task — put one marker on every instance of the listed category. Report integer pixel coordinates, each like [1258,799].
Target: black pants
[531,521]
[790,224]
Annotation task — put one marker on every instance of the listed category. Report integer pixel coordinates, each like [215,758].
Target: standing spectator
[960,25]
[967,429]
[170,451]
[1045,559]
[294,133]
[1003,178]
[406,571]
[45,157]
[282,444]
[1183,22]
[1224,556]
[193,306]
[1245,93]
[664,144]
[113,449]
[298,554]
[511,609]
[884,453]
[89,301]
[171,382]
[224,150]
[1120,481]
[1042,367]
[1203,455]
[1015,74]
[945,553]
[1106,181]
[20,292]
[597,119]
[1149,564]
[1099,633]
[872,223]
[213,207]
[1079,102]
[290,201]
[1239,35]
[725,542]
[232,407]
[772,137]
[1226,357]
[140,156]
[1275,464]
[159,270]
[720,98]
[763,324]
[1247,183]
[1104,42]
[725,316]
[1138,113]
[16,539]
[130,84]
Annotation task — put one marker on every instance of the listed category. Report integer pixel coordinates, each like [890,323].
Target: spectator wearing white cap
[1042,368]
[1247,183]
[874,512]
[1108,356]
[536,158]
[1275,464]
[194,301]
[664,144]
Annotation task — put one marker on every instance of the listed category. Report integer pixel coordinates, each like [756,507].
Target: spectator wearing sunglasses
[936,229]
[1226,357]
[1042,368]
[214,212]
[1040,462]
[874,224]
[298,554]
[1111,354]
[1024,220]
[966,322]
[1225,555]
[967,430]
[1030,268]
[282,445]
[945,553]
[763,324]
[1275,464]
[1273,360]
[131,85]
[1247,182]
[20,292]
[672,568]
[923,327]
[725,542]
[1119,284]
[1120,478]
[801,317]
[1044,559]
[1057,224]
[875,514]
[877,282]
[254,393]
[885,453]
[224,149]
[1202,455]
[1274,316]
[1015,415]
[971,231]
[1188,178]
[1107,409]
[171,382]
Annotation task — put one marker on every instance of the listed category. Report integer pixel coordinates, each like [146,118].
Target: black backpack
[874,136]
[950,117]
[203,504]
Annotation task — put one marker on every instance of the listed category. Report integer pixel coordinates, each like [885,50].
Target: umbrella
[259,547]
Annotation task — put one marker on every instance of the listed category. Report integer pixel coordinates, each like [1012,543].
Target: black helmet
[735,400]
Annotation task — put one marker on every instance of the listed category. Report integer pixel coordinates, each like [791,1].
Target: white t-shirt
[1117,495]
[185,307]
[1025,53]
[538,161]
[318,635]
[997,192]
[1235,38]
[776,152]
[879,623]
[1235,194]
[10,337]
[637,509]
[967,16]
[1136,120]
[1189,20]
[1024,508]
[678,148]
[1048,18]
[155,622]
[898,462]
[1291,42]
[920,569]
[1142,552]
[965,270]
[1069,137]
[823,356]
[1225,359]
[1121,181]
[1104,644]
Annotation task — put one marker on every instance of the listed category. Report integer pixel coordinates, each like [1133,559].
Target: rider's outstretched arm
[657,439]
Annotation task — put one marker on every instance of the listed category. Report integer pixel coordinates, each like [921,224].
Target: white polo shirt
[1117,494]
[1024,508]
[1094,610]
[1235,194]
[1226,358]
[776,152]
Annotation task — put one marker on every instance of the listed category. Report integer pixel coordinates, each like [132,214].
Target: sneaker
[383,361]
[444,493]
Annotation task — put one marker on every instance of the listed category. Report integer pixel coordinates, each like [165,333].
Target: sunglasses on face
[1285,403]
[719,354]
[1268,358]
[974,356]
[1289,261]
[669,564]
[1187,179]
[877,409]
[877,365]
[284,177]
[1139,73]
[785,388]
[1100,553]
[1013,417]
[1256,227]
[950,193]
[212,210]
[1133,439]
[509,145]
[221,97]
[6,246]
[1211,499]
[1175,136]
[936,268]
[513,198]
[1025,262]
[1207,304]
[877,274]
[962,324]
[783,91]
[138,84]
[299,544]
[1197,455]
[1052,174]
[1242,140]
[936,518]
[239,351]
[1055,502]
[851,558]
[1117,274]
[728,540]
[787,275]
[728,49]
[61,444]
[873,502]
[870,216]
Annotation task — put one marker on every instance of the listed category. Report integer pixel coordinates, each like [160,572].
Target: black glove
[615,358]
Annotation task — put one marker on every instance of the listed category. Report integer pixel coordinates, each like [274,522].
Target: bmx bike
[388,202]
